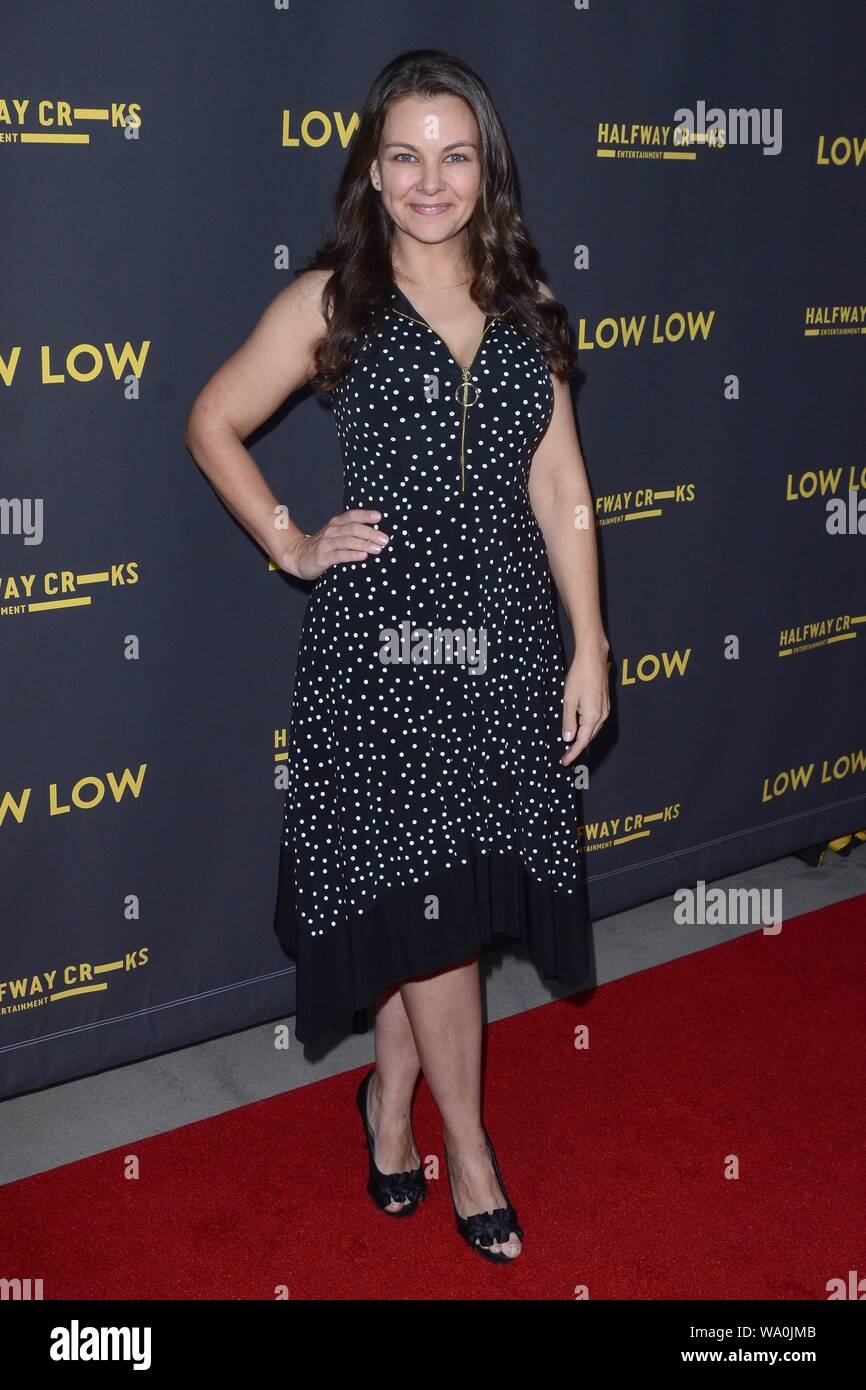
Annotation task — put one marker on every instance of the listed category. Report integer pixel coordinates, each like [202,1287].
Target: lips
[429,209]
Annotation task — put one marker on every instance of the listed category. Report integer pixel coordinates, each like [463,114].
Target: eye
[457,155]
[403,155]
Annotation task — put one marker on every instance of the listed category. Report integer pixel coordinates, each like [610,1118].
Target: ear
[375,175]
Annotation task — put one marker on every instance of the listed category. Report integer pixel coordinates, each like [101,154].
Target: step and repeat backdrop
[694,179]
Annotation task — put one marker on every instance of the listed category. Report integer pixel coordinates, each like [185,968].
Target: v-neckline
[419,318]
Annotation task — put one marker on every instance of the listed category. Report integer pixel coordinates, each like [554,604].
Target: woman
[431,807]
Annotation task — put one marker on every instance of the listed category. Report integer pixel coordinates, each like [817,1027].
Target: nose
[429,181]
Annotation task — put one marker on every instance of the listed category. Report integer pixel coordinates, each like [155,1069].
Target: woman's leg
[389,1102]
[444,1012]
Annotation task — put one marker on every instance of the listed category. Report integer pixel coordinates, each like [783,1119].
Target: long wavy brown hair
[501,253]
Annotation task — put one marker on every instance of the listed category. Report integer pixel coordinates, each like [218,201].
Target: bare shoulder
[276,358]
[303,299]
[293,323]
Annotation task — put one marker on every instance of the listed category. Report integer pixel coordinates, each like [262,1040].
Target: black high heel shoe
[409,1188]
[484,1227]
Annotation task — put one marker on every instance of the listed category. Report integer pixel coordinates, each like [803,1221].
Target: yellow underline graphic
[82,989]
[813,644]
[609,519]
[59,603]
[666,154]
[32,138]
[624,839]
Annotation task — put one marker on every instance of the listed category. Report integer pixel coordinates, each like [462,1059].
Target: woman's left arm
[562,502]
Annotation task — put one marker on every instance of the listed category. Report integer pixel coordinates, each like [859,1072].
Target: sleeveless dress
[427,814]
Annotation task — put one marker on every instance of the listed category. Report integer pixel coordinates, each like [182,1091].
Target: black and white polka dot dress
[427,813]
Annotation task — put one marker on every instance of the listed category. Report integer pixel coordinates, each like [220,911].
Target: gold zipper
[460,394]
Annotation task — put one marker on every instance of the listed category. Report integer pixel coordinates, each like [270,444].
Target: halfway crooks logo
[77,1343]
[437,646]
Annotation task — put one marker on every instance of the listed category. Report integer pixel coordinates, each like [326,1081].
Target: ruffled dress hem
[424,928]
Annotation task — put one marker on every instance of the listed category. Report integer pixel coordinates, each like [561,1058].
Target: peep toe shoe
[484,1228]
[410,1188]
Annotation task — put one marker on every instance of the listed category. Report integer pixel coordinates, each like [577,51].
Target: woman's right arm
[274,361]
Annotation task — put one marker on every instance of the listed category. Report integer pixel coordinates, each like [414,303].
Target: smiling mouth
[429,209]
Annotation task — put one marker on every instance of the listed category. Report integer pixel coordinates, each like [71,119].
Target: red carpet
[615,1157]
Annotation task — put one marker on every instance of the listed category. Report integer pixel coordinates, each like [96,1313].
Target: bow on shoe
[485,1227]
[402,1187]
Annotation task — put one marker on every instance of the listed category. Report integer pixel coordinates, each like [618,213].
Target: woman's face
[428,167]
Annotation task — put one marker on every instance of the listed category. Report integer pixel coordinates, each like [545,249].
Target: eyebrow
[404,144]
